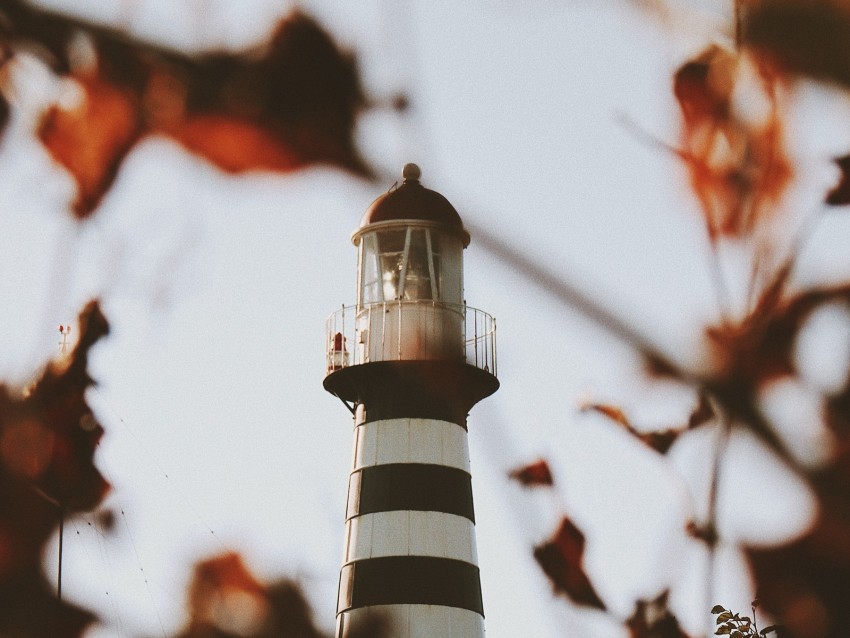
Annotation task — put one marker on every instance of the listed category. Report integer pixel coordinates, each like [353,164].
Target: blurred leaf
[538,473]
[284,105]
[722,630]
[227,601]
[561,560]
[233,145]
[4,113]
[47,443]
[706,532]
[761,350]
[806,584]
[703,86]
[653,620]
[718,609]
[30,609]
[49,436]
[738,170]
[840,195]
[659,440]
[702,414]
[809,37]
[91,139]
[724,617]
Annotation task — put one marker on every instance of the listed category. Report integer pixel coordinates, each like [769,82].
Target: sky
[219,434]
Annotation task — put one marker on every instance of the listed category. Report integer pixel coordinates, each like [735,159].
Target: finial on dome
[411,173]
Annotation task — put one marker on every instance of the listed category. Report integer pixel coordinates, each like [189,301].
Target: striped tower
[409,360]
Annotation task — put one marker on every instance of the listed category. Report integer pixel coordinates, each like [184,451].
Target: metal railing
[410,330]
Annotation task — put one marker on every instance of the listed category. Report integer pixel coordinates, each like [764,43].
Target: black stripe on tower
[410,486]
[443,390]
[417,580]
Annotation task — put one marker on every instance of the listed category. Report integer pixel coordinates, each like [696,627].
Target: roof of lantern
[412,201]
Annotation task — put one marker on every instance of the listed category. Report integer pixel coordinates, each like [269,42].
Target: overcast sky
[218,432]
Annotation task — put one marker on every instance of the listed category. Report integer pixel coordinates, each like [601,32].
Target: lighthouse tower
[409,360]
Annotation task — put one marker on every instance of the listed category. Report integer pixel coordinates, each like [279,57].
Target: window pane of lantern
[436,262]
[450,268]
[369,272]
[391,248]
[417,280]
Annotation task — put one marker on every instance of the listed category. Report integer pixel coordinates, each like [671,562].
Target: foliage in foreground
[735,625]
[740,170]
[297,102]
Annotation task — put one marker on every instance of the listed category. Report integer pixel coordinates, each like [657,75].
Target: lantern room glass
[411,263]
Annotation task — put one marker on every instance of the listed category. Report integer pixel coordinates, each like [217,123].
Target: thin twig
[713,491]
[721,289]
[557,286]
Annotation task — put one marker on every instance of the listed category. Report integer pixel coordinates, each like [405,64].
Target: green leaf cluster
[734,625]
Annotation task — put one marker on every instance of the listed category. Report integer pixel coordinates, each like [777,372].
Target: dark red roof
[411,200]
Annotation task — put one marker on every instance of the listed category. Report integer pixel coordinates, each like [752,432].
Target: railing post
[398,330]
[493,337]
[475,336]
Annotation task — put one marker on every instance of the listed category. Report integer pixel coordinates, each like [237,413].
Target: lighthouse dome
[412,201]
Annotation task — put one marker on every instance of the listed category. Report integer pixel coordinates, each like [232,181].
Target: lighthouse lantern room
[409,360]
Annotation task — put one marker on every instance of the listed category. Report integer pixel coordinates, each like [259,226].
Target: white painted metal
[410,330]
[411,441]
[408,533]
[412,533]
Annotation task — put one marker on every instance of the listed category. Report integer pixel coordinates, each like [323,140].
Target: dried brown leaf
[289,103]
[234,145]
[535,474]
[227,601]
[808,37]
[659,440]
[738,171]
[806,584]
[92,138]
[840,194]
[47,444]
[702,414]
[611,411]
[561,560]
[652,619]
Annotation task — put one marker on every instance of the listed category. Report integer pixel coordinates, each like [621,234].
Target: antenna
[64,344]
[65,331]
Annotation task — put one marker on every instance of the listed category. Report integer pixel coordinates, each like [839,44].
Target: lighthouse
[409,360]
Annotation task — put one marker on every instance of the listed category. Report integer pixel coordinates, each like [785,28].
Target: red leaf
[538,473]
[612,412]
[289,103]
[703,87]
[234,145]
[738,171]
[91,139]
[561,560]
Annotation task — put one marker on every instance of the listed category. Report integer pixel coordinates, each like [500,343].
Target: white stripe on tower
[416,514]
